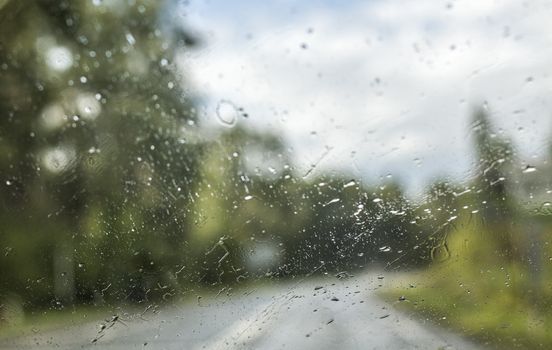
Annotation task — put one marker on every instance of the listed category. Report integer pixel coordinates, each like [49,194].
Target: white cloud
[390,81]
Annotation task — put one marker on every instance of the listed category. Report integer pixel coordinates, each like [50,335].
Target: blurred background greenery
[114,192]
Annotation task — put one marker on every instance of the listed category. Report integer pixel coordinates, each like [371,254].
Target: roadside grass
[47,320]
[479,293]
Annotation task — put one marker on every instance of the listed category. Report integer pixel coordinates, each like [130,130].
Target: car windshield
[206,174]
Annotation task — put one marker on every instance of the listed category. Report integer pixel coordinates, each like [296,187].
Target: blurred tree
[238,203]
[97,155]
[437,216]
[494,159]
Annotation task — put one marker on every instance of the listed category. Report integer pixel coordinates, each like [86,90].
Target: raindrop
[349,184]
[377,200]
[335,200]
[248,197]
[59,58]
[529,169]
[130,38]
[385,249]
[227,113]
[88,106]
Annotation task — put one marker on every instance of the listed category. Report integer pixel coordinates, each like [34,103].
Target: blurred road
[327,313]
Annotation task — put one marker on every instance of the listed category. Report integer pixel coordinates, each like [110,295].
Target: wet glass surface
[246,175]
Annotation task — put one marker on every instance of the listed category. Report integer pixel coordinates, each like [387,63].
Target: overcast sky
[386,86]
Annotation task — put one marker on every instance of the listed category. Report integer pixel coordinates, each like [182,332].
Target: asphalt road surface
[326,313]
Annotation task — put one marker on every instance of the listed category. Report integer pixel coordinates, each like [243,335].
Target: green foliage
[94,147]
[481,291]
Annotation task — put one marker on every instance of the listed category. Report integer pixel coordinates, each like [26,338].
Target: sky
[376,88]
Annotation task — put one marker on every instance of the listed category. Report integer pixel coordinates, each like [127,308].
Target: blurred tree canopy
[95,146]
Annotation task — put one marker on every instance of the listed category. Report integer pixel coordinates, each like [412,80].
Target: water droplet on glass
[59,58]
[227,113]
[88,106]
[130,38]
[335,200]
[529,169]
[349,184]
